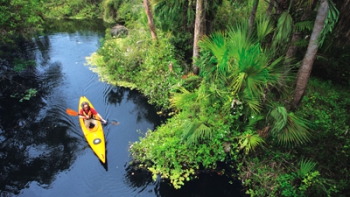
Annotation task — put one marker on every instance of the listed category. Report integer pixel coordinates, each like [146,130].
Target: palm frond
[288,128]
[283,29]
[202,132]
[280,118]
[306,166]
[249,141]
[194,131]
[183,99]
[238,38]
[216,44]
[263,27]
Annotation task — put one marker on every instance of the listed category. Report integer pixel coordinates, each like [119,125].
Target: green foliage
[163,153]
[304,26]
[218,113]
[135,61]
[306,166]
[20,65]
[264,27]
[195,131]
[249,141]
[31,92]
[289,129]
[72,9]
[19,19]
[284,29]
[240,64]
[110,10]
[330,22]
[129,12]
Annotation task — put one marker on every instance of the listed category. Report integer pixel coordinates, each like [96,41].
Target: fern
[304,25]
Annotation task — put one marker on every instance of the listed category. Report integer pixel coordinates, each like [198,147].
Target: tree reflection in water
[34,144]
[143,110]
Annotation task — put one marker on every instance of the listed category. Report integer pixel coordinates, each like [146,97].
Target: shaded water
[42,149]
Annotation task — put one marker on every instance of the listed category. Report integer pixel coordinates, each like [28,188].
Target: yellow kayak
[94,136]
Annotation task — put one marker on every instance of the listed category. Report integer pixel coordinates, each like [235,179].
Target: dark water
[42,149]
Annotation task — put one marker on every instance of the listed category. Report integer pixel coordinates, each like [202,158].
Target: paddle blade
[72,112]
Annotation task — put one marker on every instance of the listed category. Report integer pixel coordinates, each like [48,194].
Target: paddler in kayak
[87,113]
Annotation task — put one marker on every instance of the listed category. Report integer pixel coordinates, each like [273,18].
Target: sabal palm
[287,128]
[193,123]
[241,64]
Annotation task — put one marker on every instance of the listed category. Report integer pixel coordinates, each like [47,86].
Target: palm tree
[318,35]
[197,32]
[241,64]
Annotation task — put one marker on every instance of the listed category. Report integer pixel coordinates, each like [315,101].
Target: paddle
[71,112]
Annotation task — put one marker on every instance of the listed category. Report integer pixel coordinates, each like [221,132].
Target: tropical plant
[264,27]
[195,131]
[306,166]
[288,128]
[283,30]
[327,15]
[249,141]
[241,65]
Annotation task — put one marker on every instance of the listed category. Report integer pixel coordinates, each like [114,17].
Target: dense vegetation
[237,108]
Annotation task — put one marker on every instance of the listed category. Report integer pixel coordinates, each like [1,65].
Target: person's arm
[98,115]
[103,120]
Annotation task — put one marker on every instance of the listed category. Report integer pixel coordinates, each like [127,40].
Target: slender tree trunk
[309,58]
[292,49]
[270,7]
[252,16]
[197,33]
[150,19]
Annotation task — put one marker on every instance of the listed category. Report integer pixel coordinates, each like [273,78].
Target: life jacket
[89,114]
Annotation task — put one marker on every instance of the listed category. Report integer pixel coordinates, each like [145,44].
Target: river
[42,149]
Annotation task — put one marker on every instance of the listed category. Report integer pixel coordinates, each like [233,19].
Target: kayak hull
[95,135]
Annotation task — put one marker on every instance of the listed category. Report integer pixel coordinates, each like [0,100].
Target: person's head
[85,106]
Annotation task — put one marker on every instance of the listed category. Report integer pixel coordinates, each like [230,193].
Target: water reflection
[144,111]
[205,185]
[34,144]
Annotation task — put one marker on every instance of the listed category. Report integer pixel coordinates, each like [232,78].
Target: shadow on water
[205,185]
[34,145]
[143,110]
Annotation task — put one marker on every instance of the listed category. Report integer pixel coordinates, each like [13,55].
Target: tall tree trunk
[197,33]
[270,7]
[150,19]
[309,58]
[292,49]
[252,16]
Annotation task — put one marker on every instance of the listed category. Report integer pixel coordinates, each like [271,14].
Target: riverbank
[199,132]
